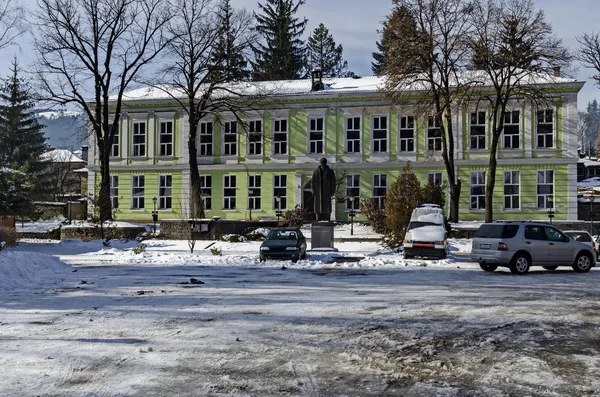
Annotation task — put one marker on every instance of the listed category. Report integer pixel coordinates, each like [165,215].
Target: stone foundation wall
[94,233]
[208,229]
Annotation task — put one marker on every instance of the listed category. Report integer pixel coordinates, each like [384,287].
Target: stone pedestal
[322,235]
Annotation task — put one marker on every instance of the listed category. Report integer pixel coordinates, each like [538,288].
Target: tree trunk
[454,200]
[490,180]
[196,204]
[103,199]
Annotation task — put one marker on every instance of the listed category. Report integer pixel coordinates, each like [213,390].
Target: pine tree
[22,142]
[229,58]
[325,55]
[281,56]
[399,24]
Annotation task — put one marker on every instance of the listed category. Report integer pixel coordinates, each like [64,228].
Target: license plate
[485,246]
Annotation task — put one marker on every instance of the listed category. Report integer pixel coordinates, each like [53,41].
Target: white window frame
[436,178]
[434,135]
[114,191]
[166,138]
[380,126]
[352,134]
[512,190]
[138,138]
[229,192]
[353,190]
[316,135]
[255,138]
[512,120]
[165,192]
[406,134]
[230,136]
[206,191]
[545,119]
[280,136]
[379,190]
[280,190]
[206,137]
[138,192]
[545,200]
[254,192]
[116,146]
[477,190]
[477,130]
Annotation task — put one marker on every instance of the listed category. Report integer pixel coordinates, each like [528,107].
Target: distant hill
[64,129]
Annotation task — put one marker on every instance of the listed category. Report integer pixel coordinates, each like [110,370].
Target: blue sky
[354,24]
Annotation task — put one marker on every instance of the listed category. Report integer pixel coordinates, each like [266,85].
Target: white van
[426,234]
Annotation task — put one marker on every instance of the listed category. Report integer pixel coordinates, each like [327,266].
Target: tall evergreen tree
[325,55]
[229,53]
[281,55]
[398,24]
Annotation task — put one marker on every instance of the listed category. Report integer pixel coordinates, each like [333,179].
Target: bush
[139,249]
[296,217]
[255,235]
[375,215]
[216,251]
[8,236]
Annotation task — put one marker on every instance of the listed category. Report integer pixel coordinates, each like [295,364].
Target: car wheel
[487,268]
[520,264]
[262,259]
[408,256]
[303,255]
[583,263]
[295,259]
[550,268]
[443,255]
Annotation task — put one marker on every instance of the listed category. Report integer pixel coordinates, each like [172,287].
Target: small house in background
[587,168]
[67,173]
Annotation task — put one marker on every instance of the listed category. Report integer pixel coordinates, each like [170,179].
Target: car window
[554,234]
[497,231]
[535,233]
[583,237]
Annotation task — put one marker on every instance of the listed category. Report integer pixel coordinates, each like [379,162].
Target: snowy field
[81,319]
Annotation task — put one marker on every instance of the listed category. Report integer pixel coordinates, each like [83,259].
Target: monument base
[322,235]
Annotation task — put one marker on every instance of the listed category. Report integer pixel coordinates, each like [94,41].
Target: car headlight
[264,248]
[291,249]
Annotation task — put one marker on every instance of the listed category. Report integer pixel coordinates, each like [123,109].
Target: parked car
[583,237]
[284,243]
[426,233]
[520,245]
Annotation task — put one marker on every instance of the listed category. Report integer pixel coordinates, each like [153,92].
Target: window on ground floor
[478,190]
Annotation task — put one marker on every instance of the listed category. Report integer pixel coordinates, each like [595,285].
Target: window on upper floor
[407,134]
[477,130]
[380,134]
[138,185]
[511,133]
[115,148]
[229,192]
[512,190]
[434,134]
[353,135]
[352,192]
[230,138]
[545,128]
[316,135]
[165,191]
[478,190]
[254,192]
[435,178]
[379,189]
[206,139]
[280,190]
[165,138]
[255,135]
[545,189]
[280,136]
[206,191]
[114,191]
[139,138]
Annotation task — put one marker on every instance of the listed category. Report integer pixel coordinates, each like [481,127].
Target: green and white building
[250,169]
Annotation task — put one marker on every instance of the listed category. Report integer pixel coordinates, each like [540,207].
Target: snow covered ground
[81,319]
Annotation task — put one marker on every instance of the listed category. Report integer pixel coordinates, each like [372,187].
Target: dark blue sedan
[284,243]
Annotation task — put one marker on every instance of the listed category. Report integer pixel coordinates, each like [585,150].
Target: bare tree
[589,54]
[12,22]
[428,55]
[89,52]
[195,76]
[515,48]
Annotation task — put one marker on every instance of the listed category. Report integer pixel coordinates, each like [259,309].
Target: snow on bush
[29,270]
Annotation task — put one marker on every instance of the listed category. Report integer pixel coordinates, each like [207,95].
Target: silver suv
[519,245]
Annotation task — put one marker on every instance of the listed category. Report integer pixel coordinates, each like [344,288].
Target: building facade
[254,163]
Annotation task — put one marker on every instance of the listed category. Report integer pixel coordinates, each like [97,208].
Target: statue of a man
[323,188]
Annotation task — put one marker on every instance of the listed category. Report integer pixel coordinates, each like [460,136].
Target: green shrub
[139,249]
[216,251]
[9,236]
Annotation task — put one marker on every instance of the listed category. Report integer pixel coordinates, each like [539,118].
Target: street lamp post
[592,198]
[550,214]
[154,215]
[352,214]
[278,211]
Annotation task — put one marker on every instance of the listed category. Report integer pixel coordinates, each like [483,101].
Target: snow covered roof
[61,156]
[332,86]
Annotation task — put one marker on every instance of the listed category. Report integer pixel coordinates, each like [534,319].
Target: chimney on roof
[317,80]
[556,71]
[84,153]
